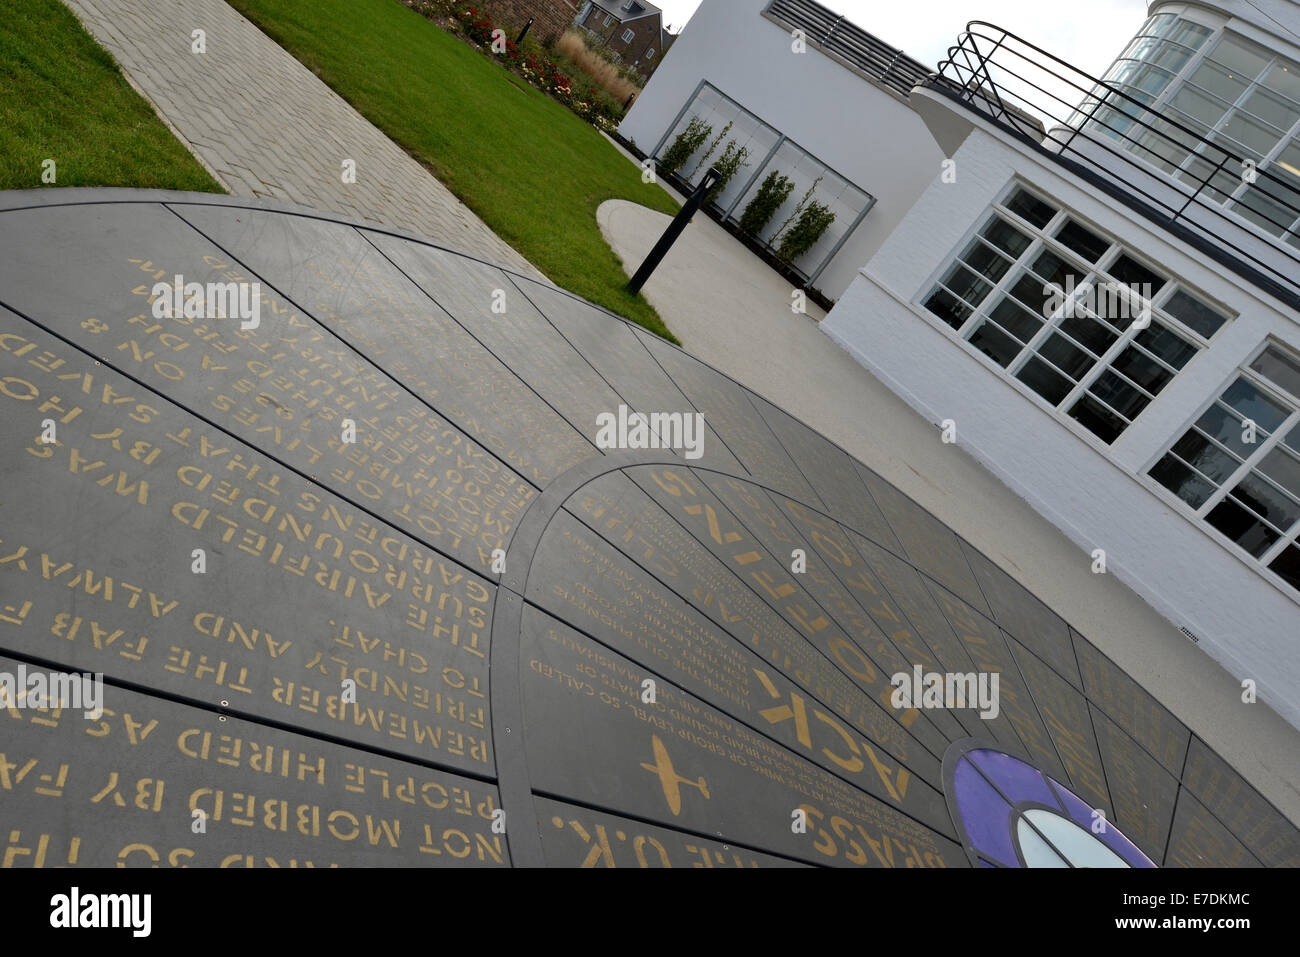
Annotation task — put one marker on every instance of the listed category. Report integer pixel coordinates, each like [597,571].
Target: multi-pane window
[628,36]
[650,54]
[1164,45]
[1072,315]
[1238,466]
[1239,100]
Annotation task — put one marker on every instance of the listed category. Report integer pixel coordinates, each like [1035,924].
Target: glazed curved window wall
[1204,99]
[1165,44]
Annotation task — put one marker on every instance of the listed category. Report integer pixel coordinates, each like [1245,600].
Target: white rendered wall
[866,134]
[1098,497]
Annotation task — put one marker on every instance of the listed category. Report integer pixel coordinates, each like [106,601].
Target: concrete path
[734,313]
[265,126]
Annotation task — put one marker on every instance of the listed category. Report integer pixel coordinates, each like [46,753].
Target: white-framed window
[628,36]
[1237,467]
[609,19]
[650,54]
[1069,313]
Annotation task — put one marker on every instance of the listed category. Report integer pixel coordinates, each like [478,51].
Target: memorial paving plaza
[369,585]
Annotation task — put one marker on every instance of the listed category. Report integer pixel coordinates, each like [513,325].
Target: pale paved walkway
[733,312]
[266,126]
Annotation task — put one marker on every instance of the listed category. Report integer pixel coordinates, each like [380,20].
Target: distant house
[632,29]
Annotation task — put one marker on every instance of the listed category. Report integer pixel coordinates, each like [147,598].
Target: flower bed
[532,63]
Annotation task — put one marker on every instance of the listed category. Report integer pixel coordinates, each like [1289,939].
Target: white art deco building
[1152,412]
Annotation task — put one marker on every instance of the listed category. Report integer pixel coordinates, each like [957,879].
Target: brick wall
[552,17]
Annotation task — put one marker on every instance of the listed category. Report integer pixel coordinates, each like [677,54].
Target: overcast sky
[1086,33]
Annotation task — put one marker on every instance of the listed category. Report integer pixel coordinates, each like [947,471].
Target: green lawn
[63,98]
[529,168]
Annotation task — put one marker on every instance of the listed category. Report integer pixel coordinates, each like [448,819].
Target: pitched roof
[626,11]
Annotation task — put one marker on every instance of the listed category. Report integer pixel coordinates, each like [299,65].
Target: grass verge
[63,98]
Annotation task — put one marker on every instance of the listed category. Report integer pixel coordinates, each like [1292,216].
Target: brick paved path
[266,126]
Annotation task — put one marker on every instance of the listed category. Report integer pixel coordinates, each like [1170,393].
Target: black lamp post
[674,230]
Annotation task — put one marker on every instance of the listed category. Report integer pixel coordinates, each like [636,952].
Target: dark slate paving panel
[988,650]
[574,836]
[1199,839]
[929,544]
[1261,827]
[520,337]
[906,590]
[1142,793]
[1064,711]
[728,409]
[622,360]
[1024,617]
[831,473]
[120,791]
[631,614]
[836,668]
[1132,708]
[286,387]
[629,519]
[345,283]
[818,603]
[301,589]
[858,601]
[682,764]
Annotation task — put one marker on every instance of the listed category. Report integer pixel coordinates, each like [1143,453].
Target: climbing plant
[810,227]
[712,149]
[732,162]
[684,147]
[771,196]
[798,210]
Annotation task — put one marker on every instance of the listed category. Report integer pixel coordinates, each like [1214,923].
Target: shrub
[798,209]
[771,196]
[812,225]
[476,24]
[684,147]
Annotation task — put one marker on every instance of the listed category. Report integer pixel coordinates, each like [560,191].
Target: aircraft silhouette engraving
[670,779]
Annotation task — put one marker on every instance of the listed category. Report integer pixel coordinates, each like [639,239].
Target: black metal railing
[833,34]
[1119,143]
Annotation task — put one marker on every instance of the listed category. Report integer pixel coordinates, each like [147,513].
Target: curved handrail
[1111,91]
[974,71]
